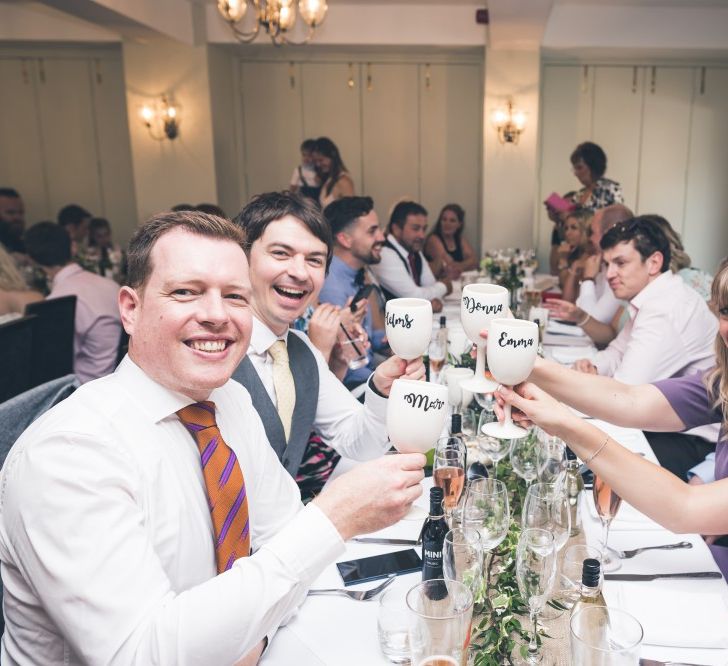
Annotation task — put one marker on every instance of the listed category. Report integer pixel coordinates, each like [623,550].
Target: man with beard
[403,270]
[12,220]
[358,242]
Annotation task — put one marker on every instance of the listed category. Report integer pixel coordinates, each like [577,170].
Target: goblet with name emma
[408,324]
[512,347]
[481,304]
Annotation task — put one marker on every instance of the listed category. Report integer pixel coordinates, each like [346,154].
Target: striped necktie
[224,482]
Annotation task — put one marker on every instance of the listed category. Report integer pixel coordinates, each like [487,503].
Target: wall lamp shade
[161,117]
[277,17]
[509,123]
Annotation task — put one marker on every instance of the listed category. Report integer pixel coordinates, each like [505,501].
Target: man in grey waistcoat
[289,247]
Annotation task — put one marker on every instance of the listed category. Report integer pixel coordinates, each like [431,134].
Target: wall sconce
[509,123]
[161,118]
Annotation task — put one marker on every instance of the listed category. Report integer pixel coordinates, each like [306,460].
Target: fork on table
[627,554]
[357,595]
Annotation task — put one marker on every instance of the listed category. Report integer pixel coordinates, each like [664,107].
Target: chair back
[53,338]
[16,356]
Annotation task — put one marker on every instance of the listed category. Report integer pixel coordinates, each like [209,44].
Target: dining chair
[16,356]
[52,338]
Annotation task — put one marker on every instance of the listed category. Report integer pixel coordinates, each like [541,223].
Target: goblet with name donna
[512,348]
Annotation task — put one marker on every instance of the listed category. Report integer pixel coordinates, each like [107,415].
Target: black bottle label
[433,537]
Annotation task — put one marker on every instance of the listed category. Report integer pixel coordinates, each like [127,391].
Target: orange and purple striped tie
[225,484]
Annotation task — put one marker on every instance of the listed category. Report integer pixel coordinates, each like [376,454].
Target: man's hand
[348,317]
[323,328]
[374,494]
[592,264]
[586,366]
[436,305]
[564,310]
[448,283]
[394,368]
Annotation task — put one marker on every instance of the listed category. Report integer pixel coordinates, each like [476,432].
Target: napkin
[687,619]
[565,329]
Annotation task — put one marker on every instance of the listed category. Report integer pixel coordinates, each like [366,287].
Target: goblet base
[503,430]
[610,560]
[479,385]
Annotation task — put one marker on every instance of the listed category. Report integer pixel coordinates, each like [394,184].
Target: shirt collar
[156,400]
[67,271]
[340,268]
[262,337]
[660,283]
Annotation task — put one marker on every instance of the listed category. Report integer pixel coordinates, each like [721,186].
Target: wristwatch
[586,279]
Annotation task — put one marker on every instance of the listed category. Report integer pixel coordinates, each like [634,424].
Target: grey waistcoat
[306,378]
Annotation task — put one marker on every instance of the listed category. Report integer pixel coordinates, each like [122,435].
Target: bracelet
[584,321]
[597,452]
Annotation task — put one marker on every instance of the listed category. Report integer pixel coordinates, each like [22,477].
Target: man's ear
[654,263]
[343,239]
[129,305]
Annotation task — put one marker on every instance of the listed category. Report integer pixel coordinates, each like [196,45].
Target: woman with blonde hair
[14,292]
[573,252]
[669,405]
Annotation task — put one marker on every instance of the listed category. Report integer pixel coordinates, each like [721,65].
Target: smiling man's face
[287,271]
[190,323]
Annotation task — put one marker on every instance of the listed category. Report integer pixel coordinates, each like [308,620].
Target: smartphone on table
[379,566]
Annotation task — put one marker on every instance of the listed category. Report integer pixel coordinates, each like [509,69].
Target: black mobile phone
[363,292]
[379,566]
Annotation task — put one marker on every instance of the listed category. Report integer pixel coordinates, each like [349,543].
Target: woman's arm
[650,488]
[470,259]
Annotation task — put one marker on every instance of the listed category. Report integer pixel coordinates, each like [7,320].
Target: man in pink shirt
[97,323]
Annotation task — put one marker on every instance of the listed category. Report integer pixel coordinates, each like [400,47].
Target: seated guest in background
[589,163]
[108,257]
[75,220]
[289,248]
[305,180]
[558,217]
[121,542]
[14,292]
[178,208]
[574,252]
[668,405]
[596,307]
[211,209]
[404,271]
[336,180]
[97,323]
[358,242]
[447,250]
[12,220]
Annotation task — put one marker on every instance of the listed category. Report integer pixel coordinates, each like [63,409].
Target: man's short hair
[646,235]
[48,244]
[593,156]
[614,214]
[9,192]
[308,146]
[402,210]
[342,213]
[72,215]
[273,206]
[139,256]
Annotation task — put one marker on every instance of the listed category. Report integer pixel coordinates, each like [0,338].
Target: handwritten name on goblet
[423,402]
[393,320]
[473,305]
[505,341]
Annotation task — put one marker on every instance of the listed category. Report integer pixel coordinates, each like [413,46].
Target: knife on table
[386,542]
[689,574]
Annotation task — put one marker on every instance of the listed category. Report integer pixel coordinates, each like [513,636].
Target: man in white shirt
[403,270]
[289,248]
[107,543]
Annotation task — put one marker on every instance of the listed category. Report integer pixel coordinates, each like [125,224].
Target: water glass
[487,511]
[440,619]
[601,636]
[550,458]
[462,558]
[393,626]
[353,348]
[547,507]
[495,448]
[524,458]
[571,569]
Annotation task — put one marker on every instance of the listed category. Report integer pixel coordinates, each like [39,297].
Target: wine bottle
[591,586]
[433,537]
[441,335]
[574,484]
[457,437]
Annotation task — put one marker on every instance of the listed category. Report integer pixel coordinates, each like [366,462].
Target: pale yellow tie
[283,383]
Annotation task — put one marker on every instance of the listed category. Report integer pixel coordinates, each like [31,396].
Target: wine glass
[512,348]
[486,510]
[547,507]
[550,459]
[493,447]
[607,503]
[455,377]
[408,324]
[462,558]
[535,573]
[448,471]
[524,458]
[601,635]
[479,305]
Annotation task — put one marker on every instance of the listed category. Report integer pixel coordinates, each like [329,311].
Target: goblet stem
[480,360]
[605,538]
[533,656]
[507,420]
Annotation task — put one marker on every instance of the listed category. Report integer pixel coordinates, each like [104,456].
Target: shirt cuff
[704,470]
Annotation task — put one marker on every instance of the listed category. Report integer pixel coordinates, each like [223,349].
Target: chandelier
[276,16]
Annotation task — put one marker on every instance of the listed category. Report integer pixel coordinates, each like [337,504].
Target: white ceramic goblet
[408,324]
[479,305]
[456,395]
[512,347]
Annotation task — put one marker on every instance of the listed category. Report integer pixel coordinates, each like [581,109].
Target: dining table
[685,620]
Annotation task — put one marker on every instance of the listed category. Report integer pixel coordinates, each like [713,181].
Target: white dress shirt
[670,332]
[597,299]
[106,539]
[395,277]
[97,321]
[354,430]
